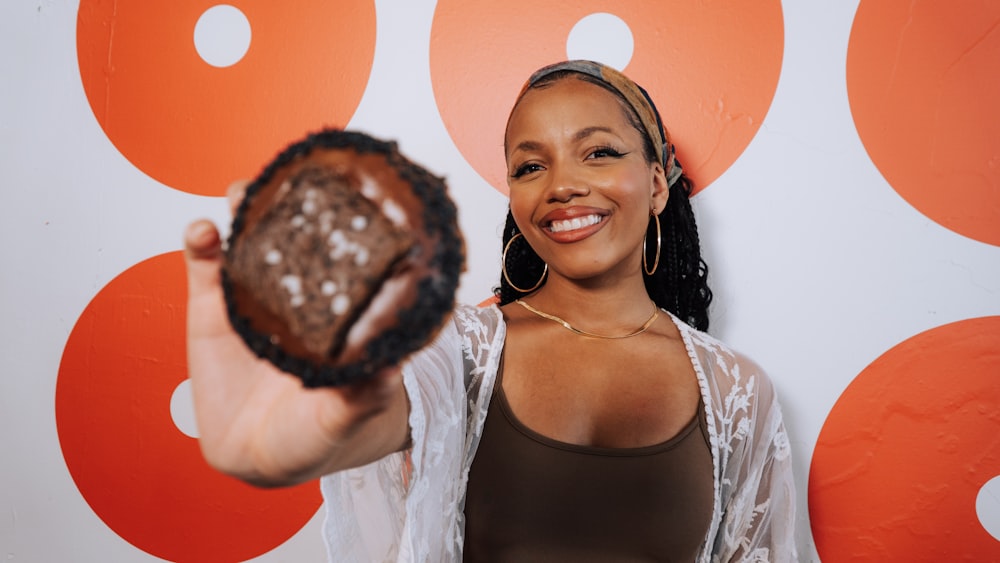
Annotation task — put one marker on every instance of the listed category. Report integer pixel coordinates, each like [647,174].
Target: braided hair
[680,282]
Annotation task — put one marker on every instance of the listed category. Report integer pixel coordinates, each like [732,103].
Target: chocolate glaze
[404,308]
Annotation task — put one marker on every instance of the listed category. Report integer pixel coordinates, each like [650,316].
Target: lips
[573,223]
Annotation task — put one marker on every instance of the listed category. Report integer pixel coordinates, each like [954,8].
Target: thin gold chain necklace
[574,330]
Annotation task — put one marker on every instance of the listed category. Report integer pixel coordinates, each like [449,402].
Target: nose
[565,184]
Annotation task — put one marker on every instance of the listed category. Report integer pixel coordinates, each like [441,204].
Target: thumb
[201,239]
[203,257]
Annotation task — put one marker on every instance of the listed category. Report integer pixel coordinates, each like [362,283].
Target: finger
[379,389]
[235,193]
[203,257]
[202,241]
[372,397]
[388,380]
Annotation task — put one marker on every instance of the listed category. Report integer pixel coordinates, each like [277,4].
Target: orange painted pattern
[144,478]
[924,80]
[906,449]
[195,127]
[711,67]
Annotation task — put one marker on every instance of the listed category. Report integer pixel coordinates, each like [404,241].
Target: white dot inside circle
[222,35]
[601,37]
[182,409]
[988,507]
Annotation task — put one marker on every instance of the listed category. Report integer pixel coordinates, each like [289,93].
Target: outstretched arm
[260,424]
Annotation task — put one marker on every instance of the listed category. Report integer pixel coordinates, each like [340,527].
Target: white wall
[819,265]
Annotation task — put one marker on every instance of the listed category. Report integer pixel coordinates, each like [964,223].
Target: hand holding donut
[260,424]
[344,259]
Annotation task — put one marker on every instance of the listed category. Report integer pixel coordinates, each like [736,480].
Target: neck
[605,309]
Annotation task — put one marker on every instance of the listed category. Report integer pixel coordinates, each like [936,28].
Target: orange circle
[196,127]
[923,79]
[144,478]
[907,447]
[712,72]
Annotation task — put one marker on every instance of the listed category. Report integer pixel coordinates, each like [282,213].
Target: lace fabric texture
[408,506]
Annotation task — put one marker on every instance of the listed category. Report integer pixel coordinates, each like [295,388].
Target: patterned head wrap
[633,94]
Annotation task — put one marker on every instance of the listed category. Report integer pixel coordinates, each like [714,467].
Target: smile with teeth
[574,224]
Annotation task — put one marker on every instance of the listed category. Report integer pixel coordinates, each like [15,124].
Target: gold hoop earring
[503,268]
[659,241]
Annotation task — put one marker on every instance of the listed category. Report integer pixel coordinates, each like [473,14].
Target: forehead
[570,103]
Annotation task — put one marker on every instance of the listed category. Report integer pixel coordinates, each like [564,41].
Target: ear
[660,191]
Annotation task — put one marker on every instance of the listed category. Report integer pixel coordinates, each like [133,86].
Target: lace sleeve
[405,506]
[758,501]
[755,492]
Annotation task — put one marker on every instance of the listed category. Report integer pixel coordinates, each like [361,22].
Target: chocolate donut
[344,258]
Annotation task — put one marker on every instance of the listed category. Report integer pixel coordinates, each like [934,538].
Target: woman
[579,419]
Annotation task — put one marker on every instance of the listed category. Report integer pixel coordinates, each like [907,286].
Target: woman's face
[581,189]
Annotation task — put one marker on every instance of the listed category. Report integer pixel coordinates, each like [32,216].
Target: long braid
[680,282]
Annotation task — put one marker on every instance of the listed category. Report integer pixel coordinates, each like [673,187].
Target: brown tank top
[532,498]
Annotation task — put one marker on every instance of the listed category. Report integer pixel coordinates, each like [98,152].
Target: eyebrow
[588,131]
[578,136]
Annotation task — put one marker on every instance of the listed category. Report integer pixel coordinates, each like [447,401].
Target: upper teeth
[575,223]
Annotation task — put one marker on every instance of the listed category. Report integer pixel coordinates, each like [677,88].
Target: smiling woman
[619,129]
[611,466]
[581,189]
[586,416]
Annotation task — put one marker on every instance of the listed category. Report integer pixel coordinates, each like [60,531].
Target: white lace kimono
[409,506]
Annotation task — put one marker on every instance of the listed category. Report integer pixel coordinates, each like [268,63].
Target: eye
[525,169]
[605,152]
